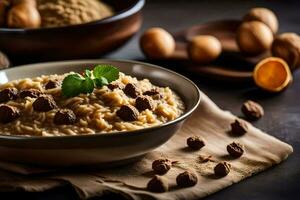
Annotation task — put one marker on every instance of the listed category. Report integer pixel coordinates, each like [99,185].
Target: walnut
[287,47]
[158,184]
[254,37]
[263,15]
[252,110]
[161,166]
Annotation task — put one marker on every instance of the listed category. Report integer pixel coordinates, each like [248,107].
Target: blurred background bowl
[88,40]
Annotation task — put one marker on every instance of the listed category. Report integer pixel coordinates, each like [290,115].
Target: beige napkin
[208,121]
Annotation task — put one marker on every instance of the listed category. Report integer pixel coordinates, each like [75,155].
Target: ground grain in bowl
[95,112]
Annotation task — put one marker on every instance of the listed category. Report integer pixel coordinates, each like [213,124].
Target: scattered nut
[235,149]
[263,15]
[131,90]
[239,127]
[254,37]
[195,142]
[186,179]
[287,47]
[252,110]
[158,184]
[161,166]
[128,113]
[8,113]
[8,94]
[204,49]
[144,102]
[204,159]
[222,169]
[157,43]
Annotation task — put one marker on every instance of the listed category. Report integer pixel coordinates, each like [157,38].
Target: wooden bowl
[87,40]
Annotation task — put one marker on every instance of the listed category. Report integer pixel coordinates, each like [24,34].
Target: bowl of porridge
[90,112]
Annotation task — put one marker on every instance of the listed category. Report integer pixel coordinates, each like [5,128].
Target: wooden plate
[232,65]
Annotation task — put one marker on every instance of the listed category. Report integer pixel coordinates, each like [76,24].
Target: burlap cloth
[208,121]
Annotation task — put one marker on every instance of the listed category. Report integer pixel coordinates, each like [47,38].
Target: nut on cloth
[208,121]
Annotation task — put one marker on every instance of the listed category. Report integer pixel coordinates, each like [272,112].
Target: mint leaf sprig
[75,84]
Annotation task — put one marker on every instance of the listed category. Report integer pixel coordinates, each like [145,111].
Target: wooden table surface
[282,118]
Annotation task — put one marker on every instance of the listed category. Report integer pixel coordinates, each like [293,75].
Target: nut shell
[272,74]
[263,15]
[204,49]
[254,38]
[157,43]
[287,47]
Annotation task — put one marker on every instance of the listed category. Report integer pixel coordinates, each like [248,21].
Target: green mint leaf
[87,86]
[88,73]
[100,81]
[109,72]
[75,84]
[71,85]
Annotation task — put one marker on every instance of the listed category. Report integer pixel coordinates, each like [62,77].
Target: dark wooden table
[282,118]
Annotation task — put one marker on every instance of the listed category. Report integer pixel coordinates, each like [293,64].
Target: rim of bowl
[186,113]
[119,15]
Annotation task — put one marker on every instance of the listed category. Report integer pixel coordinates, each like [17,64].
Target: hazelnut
[263,15]
[204,49]
[23,16]
[158,184]
[157,43]
[287,47]
[254,37]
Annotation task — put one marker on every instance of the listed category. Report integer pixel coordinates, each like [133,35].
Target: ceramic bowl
[88,40]
[104,149]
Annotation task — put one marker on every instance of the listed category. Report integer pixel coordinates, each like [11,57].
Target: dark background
[282,112]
